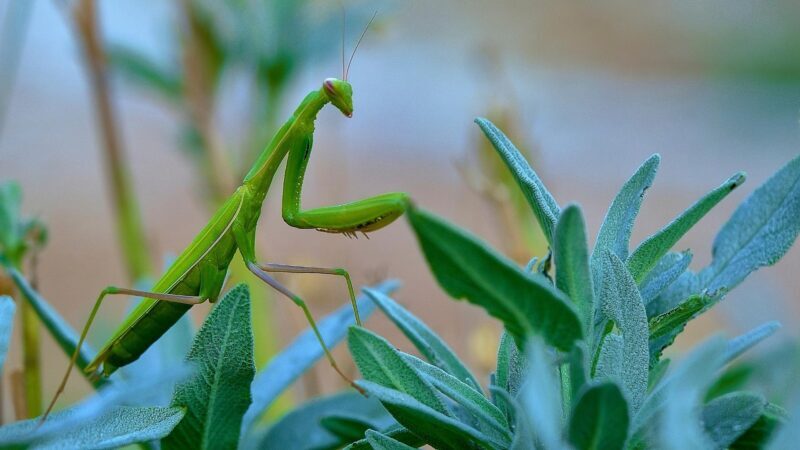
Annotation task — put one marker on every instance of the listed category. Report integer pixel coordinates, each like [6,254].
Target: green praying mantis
[199,272]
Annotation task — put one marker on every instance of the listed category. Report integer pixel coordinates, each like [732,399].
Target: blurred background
[588,89]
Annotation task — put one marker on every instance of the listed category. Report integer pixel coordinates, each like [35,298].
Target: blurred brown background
[712,86]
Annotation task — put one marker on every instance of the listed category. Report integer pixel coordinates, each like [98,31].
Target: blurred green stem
[129,226]
[31,352]
[12,37]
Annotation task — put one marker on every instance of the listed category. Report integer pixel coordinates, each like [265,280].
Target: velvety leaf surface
[728,417]
[218,396]
[380,441]
[571,254]
[623,305]
[666,271]
[541,201]
[649,252]
[115,428]
[599,420]
[760,231]
[429,344]
[466,268]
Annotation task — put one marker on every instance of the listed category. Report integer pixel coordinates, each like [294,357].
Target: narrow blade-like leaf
[728,417]
[615,232]
[666,271]
[380,441]
[301,429]
[218,396]
[542,203]
[760,231]
[429,344]
[745,342]
[116,428]
[623,305]
[490,419]
[437,429]
[666,327]
[62,332]
[571,254]
[381,363]
[284,368]
[466,268]
[649,252]
[600,419]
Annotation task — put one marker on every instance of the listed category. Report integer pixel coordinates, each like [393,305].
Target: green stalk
[130,231]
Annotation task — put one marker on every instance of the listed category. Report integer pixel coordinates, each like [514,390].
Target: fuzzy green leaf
[465,267]
[429,344]
[728,417]
[666,327]
[610,358]
[571,253]
[7,308]
[115,428]
[296,358]
[761,433]
[666,271]
[490,419]
[649,252]
[218,396]
[615,232]
[396,432]
[437,429]
[623,305]
[380,441]
[540,396]
[523,437]
[600,418]
[759,232]
[381,363]
[303,427]
[542,203]
[742,343]
[59,329]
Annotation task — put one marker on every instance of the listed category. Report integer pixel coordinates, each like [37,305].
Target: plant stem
[129,226]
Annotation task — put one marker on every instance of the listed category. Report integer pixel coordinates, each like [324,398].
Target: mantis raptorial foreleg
[285,268]
[265,277]
[113,290]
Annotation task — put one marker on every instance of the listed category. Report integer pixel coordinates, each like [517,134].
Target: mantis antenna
[347,71]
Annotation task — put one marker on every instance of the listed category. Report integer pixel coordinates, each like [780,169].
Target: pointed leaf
[438,430]
[218,396]
[465,267]
[7,308]
[59,329]
[381,363]
[668,269]
[623,305]
[116,428]
[523,438]
[745,342]
[615,232]
[600,419]
[571,254]
[302,428]
[429,344]
[490,419]
[284,368]
[666,327]
[541,201]
[728,417]
[647,255]
[760,231]
[380,441]
[396,432]
[610,359]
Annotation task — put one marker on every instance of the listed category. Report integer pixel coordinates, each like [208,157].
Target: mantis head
[340,94]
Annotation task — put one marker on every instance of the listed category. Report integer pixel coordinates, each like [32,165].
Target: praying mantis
[198,274]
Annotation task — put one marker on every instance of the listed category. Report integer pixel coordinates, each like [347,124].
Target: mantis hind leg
[265,277]
[284,268]
[111,290]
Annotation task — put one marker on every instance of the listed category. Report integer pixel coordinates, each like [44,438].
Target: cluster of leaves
[580,364]
[215,400]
